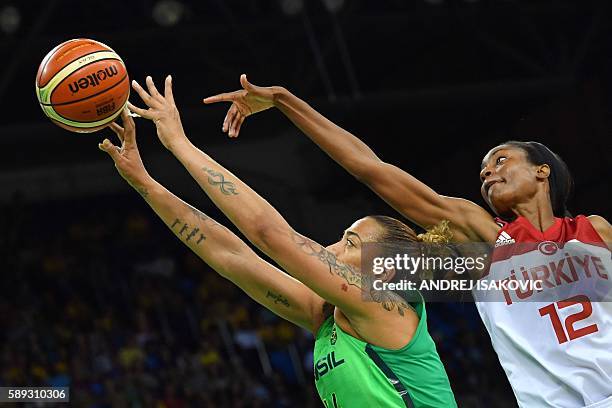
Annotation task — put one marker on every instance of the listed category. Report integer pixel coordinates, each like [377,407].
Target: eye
[500,160]
[349,243]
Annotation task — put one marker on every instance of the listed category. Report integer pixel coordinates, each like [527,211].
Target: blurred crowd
[98,296]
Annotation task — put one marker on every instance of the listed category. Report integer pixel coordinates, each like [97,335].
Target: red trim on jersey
[527,238]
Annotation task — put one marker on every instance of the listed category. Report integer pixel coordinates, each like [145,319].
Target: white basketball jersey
[553,336]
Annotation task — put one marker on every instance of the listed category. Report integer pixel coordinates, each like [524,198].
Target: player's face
[508,179]
[348,249]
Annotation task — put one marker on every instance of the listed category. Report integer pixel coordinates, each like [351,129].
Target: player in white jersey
[556,344]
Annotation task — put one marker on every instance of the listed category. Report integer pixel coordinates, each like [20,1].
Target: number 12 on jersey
[568,325]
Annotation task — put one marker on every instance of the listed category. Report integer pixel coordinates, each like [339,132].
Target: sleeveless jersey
[352,373]
[554,338]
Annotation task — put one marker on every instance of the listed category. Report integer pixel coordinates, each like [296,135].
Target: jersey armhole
[421,326]
[325,322]
[592,227]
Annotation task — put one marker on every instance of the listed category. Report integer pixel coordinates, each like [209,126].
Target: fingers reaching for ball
[129,128]
[112,150]
[151,96]
[127,133]
[144,95]
[168,90]
[118,131]
[244,102]
[154,100]
[161,110]
[229,118]
[239,125]
[153,90]
[126,157]
[235,121]
[222,97]
[139,111]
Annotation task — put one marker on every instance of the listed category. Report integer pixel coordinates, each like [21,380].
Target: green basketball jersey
[352,373]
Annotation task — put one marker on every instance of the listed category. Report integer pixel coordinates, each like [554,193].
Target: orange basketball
[82,85]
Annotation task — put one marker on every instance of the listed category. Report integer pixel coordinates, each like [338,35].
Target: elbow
[266,236]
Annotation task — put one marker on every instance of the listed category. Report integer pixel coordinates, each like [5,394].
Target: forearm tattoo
[278,298]
[351,275]
[187,232]
[190,230]
[217,179]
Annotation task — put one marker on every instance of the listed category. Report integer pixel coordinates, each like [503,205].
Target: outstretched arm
[213,243]
[409,196]
[306,260]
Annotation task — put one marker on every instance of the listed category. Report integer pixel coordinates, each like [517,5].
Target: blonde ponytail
[438,234]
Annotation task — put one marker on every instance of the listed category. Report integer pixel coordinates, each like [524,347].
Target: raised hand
[245,102]
[127,157]
[162,111]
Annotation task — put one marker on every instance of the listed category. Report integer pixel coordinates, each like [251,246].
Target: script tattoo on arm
[351,275]
[278,298]
[217,179]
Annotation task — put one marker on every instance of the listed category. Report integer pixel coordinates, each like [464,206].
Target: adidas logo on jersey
[504,239]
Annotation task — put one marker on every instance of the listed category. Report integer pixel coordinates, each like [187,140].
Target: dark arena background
[99,296]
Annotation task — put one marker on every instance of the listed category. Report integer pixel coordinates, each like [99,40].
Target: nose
[484,173]
[333,248]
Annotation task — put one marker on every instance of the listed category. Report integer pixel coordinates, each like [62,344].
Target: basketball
[82,85]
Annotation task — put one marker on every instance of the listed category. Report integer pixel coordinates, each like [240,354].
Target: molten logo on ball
[82,85]
[93,79]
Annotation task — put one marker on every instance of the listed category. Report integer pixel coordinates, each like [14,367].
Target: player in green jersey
[367,353]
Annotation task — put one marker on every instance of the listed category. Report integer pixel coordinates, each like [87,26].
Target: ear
[387,275]
[543,171]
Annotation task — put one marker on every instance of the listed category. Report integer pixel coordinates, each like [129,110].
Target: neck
[539,213]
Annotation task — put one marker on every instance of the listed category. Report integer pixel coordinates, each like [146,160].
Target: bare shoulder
[477,223]
[602,226]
